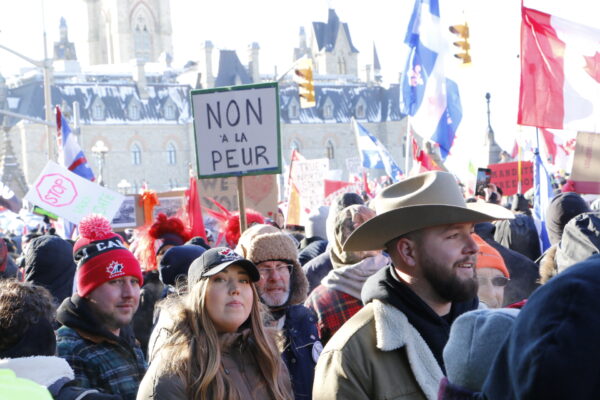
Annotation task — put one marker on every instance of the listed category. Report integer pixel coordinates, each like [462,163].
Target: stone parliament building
[133,100]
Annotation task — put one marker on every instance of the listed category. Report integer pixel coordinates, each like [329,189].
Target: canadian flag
[560,73]
[560,147]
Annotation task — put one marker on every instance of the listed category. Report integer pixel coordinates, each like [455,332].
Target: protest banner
[586,163]
[260,191]
[308,175]
[70,196]
[506,176]
[236,130]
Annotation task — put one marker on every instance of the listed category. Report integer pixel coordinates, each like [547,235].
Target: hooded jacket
[49,263]
[55,374]
[580,240]
[562,208]
[385,350]
[302,346]
[101,360]
[552,351]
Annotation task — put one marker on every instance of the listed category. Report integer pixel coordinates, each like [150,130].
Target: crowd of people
[417,293]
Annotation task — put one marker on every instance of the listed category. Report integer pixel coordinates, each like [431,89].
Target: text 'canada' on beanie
[101,255]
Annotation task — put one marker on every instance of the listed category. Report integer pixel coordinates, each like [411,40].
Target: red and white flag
[560,73]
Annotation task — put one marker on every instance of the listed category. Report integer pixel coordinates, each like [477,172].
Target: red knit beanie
[101,255]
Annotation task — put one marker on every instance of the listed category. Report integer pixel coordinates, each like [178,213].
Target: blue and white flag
[542,197]
[71,155]
[373,153]
[430,99]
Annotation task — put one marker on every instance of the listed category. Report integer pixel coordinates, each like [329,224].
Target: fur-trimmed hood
[279,246]
[548,267]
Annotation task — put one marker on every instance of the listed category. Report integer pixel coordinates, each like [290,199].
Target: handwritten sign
[237,130]
[260,193]
[308,175]
[506,176]
[586,163]
[70,196]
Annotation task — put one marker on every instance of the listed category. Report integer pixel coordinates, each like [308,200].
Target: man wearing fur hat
[283,288]
[392,348]
[96,339]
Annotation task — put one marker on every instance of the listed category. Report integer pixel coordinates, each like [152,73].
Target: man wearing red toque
[95,338]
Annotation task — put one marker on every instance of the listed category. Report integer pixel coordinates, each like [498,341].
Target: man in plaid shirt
[96,339]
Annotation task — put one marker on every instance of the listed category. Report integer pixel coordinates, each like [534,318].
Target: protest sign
[308,175]
[586,163]
[506,176]
[237,130]
[70,196]
[260,192]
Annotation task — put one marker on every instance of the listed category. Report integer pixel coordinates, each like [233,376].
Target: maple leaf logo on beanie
[101,255]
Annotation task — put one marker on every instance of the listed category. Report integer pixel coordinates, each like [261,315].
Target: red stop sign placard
[56,190]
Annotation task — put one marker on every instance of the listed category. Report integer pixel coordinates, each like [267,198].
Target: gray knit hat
[279,246]
[475,338]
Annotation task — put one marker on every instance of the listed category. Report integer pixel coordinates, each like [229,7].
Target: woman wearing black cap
[218,347]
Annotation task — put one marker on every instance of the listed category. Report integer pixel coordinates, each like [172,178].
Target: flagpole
[408,143]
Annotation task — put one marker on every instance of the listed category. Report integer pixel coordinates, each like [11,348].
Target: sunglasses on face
[285,269]
[496,281]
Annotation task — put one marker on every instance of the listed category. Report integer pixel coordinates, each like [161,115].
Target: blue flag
[543,196]
[373,153]
[426,95]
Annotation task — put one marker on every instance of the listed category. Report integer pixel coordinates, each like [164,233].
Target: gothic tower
[122,30]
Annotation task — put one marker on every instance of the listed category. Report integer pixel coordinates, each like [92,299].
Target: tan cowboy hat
[426,200]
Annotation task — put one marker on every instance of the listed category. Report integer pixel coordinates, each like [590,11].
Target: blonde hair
[193,352]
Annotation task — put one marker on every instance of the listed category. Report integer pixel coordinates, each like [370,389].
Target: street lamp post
[46,66]
[99,149]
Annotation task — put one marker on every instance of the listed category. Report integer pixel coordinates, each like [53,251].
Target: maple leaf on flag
[592,66]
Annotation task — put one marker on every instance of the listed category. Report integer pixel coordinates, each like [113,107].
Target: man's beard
[446,282]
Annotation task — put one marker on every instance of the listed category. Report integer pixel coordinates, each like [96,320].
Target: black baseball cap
[215,260]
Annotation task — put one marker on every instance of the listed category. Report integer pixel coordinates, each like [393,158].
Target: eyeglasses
[496,281]
[284,269]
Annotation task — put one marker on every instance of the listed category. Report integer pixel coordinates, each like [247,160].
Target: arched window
[294,145]
[169,111]
[342,65]
[330,150]
[133,110]
[136,155]
[98,110]
[142,33]
[171,154]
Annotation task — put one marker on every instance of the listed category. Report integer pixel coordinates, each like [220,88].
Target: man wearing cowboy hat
[392,348]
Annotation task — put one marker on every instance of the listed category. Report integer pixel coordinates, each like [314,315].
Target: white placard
[308,178]
[70,196]
[237,130]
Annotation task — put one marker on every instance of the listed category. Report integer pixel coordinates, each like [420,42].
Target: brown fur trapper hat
[279,246]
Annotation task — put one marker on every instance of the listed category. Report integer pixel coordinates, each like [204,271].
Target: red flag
[194,210]
[560,75]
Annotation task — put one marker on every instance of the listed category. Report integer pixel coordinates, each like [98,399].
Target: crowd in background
[416,294]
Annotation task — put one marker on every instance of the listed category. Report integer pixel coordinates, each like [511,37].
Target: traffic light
[304,78]
[463,32]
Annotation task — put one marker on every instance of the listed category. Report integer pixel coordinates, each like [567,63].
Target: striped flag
[72,157]
[429,98]
[70,153]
